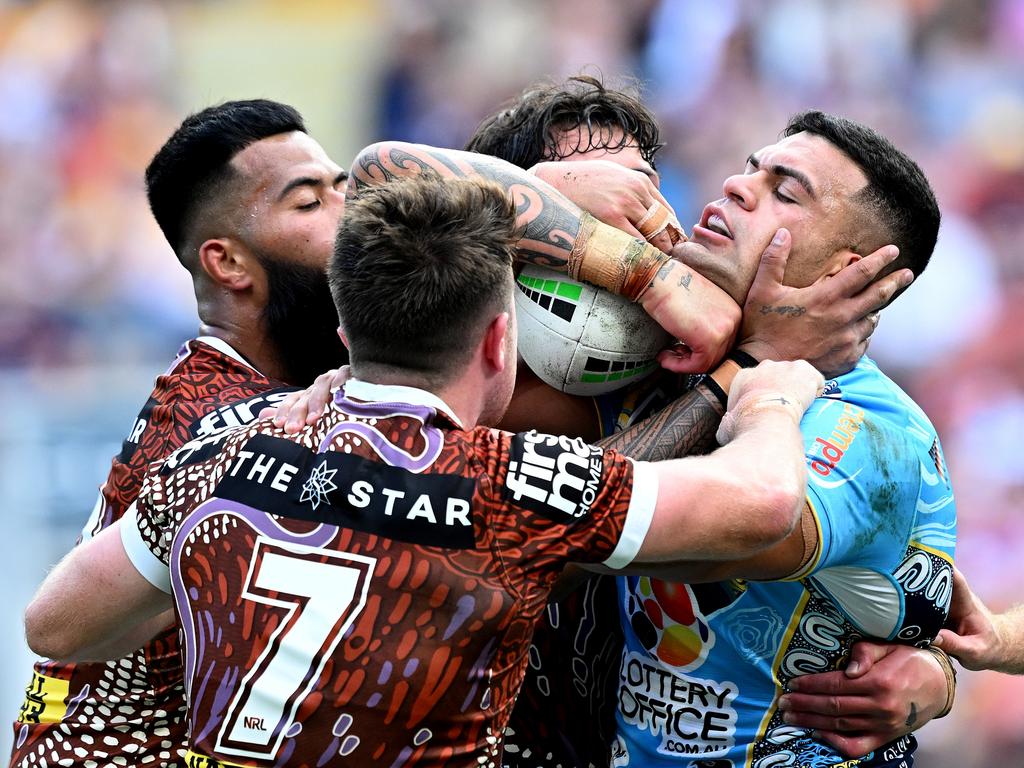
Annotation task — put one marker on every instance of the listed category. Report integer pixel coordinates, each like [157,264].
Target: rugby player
[581,120]
[250,204]
[221,165]
[873,555]
[366,589]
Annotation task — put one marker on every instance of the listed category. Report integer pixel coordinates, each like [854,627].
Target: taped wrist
[950,671]
[611,259]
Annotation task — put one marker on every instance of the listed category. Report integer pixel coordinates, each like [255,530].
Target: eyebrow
[785,170]
[309,181]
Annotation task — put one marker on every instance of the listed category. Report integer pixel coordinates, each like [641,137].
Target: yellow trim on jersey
[816,558]
[787,638]
[46,700]
[195,760]
[600,422]
[932,550]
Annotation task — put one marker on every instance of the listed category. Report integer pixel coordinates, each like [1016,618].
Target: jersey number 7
[322,591]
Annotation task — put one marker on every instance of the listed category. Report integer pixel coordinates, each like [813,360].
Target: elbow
[780,501]
[47,637]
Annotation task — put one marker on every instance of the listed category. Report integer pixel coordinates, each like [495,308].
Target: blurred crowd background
[93,303]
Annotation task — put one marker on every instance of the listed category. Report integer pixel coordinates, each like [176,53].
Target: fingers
[841,724]
[831,684]
[800,704]
[677,358]
[967,649]
[655,223]
[856,745]
[284,408]
[863,657]
[878,295]
[854,278]
[268,412]
[662,241]
[772,267]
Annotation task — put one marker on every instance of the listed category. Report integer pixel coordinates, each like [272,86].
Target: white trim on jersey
[395,393]
[638,516]
[152,568]
[222,346]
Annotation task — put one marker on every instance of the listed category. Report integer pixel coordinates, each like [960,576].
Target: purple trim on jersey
[183,352]
[392,454]
[260,522]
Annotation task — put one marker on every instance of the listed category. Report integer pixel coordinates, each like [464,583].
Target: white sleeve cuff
[152,568]
[638,516]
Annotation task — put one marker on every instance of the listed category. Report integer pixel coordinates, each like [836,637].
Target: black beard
[301,321]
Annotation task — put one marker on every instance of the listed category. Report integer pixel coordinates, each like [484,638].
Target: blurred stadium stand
[93,303]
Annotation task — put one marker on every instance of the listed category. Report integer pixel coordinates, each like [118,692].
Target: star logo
[319,484]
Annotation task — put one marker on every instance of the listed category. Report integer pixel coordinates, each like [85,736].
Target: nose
[335,200]
[740,189]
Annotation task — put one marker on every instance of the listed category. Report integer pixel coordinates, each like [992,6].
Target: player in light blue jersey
[705,665]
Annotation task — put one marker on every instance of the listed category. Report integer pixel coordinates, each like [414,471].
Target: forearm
[1009,628]
[116,647]
[734,503]
[686,427]
[549,221]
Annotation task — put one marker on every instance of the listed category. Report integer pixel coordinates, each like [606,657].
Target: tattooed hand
[828,323]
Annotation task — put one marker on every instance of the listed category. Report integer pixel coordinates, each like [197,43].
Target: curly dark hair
[525,132]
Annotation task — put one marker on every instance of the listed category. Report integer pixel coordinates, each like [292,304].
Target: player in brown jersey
[256,280]
[364,591]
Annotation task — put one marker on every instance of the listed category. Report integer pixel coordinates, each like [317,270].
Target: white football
[581,339]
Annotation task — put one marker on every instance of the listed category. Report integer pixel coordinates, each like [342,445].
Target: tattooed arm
[557,235]
[549,221]
[686,427]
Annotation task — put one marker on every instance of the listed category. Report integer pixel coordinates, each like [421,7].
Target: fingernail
[794,684]
[893,253]
[784,703]
[853,668]
[779,237]
[788,718]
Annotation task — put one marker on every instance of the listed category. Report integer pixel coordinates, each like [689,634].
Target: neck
[252,343]
[459,395]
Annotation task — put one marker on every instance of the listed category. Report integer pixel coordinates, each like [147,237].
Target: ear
[342,336]
[494,344]
[226,264]
[840,260]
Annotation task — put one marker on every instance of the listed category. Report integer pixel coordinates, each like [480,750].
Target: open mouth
[714,223]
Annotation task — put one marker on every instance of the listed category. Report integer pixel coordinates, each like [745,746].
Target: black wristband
[742,359]
[708,381]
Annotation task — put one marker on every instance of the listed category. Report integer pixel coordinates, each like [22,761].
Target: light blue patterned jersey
[704,664]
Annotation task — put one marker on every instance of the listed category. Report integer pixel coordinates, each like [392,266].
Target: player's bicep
[786,560]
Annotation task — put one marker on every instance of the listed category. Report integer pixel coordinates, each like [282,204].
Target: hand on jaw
[829,323]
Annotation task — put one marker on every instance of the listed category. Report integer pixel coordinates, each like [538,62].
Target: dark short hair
[897,194]
[193,164]
[526,130]
[418,267]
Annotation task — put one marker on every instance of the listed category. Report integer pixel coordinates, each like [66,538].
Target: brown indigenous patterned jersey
[131,711]
[364,592]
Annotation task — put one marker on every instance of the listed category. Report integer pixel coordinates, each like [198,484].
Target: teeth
[716,224]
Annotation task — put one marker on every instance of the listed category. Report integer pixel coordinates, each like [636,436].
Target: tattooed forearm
[549,221]
[785,311]
[685,428]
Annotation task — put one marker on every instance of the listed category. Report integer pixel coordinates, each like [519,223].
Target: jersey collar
[226,349]
[395,393]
